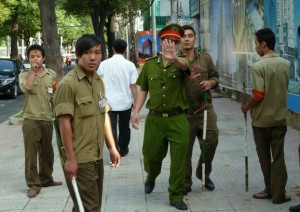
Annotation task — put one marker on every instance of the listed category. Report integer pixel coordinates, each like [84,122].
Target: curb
[16,119]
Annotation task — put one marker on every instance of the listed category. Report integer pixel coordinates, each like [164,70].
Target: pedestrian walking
[203,78]
[163,78]
[81,109]
[268,105]
[119,76]
[38,84]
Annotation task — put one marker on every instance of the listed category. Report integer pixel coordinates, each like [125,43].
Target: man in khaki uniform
[204,76]
[81,108]
[38,84]
[268,105]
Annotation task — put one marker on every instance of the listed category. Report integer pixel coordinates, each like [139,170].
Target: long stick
[62,155]
[203,150]
[79,202]
[245,141]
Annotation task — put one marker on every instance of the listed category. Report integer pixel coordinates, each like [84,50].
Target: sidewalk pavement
[124,186]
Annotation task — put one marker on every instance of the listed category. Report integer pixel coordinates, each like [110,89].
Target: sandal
[262,195]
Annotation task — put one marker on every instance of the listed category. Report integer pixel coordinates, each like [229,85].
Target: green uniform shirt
[195,95]
[165,86]
[38,99]
[271,75]
[83,100]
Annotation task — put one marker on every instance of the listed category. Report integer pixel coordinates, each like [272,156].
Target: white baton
[79,202]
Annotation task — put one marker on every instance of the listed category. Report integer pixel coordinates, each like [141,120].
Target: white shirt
[118,74]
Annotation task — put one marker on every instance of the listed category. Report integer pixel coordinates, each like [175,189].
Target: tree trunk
[132,33]
[50,37]
[110,35]
[98,16]
[14,35]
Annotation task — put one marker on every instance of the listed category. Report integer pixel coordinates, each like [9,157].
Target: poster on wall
[293,54]
[144,45]
[230,39]
[247,18]
[204,26]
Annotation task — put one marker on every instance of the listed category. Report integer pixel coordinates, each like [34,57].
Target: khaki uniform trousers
[38,146]
[269,143]
[159,132]
[90,186]
[196,130]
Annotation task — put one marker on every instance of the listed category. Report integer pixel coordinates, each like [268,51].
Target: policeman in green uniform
[84,122]
[204,76]
[163,77]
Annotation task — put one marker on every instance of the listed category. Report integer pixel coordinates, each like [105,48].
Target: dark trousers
[269,143]
[90,186]
[38,146]
[120,120]
[211,143]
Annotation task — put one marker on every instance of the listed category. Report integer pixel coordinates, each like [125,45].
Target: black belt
[166,114]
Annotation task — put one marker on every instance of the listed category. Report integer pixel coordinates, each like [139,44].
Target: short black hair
[120,46]
[86,42]
[35,47]
[186,27]
[266,35]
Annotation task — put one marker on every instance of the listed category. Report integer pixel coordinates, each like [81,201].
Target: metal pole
[203,149]
[245,140]
[174,12]
[154,41]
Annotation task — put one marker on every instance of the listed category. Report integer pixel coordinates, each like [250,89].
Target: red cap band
[170,33]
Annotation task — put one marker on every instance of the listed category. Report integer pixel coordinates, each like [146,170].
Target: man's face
[188,40]
[90,60]
[36,58]
[259,47]
[173,39]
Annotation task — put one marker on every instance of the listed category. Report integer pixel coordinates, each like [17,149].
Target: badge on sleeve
[101,102]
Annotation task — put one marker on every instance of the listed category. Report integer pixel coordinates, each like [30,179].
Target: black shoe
[186,190]
[209,185]
[149,186]
[180,205]
[295,208]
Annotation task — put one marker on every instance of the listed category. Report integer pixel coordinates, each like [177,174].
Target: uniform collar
[81,75]
[269,55]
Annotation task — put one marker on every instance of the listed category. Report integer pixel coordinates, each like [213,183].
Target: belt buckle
[165,115]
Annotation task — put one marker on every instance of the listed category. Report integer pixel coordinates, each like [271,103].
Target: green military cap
[172,30]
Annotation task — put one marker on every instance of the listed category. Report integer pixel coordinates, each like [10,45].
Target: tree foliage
[102,12]
[71,27]
[21,22]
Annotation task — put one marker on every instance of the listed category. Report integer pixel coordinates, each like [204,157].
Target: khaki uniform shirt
[271,75]
[195,95]
[38,99]
[83,100]
[165,85]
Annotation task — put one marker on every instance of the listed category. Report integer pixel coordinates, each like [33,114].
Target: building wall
[226,31]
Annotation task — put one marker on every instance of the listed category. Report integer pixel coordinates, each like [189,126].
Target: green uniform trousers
[38,146]
[269,143]
[90,186]
[211,143]
[159,132]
